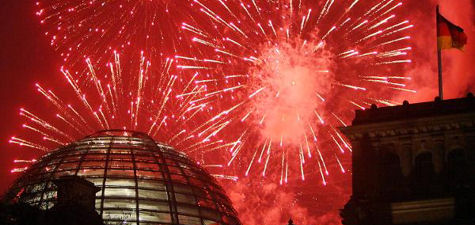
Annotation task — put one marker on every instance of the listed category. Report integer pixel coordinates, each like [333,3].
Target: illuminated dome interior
[141,181]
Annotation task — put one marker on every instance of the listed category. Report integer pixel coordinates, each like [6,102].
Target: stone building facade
[413,164]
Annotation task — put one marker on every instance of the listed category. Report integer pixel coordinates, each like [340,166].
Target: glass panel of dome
[200,193]
[189,220]
[187,210]
[206,203]
[98,151]
[210,214]
[119,203]
[92,164]
[125,222]
[153,194]
[174,170]
[53,163]
[151,184]
[170,161]
[140,152]
[195,182]
[98,201]
[120,157]
[154,205]
[120,192]
[189,172]
[178,178]
[120,215]
[119,151]
[185,198]
[101,143]
[181,188]
[209,222]
[184,166]
[118,182]
[133,142]
[120,173]
[155,217]
[79,152]
[121,165]
[94,157]
[90,172]
[196,174]
[149,174]
[177,159]
[72,159]
[145,158]
[147,166]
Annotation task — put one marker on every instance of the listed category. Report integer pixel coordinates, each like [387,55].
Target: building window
[391,175]
[456,168]
[424,174]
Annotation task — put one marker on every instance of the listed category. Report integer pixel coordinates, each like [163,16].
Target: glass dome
[141,181]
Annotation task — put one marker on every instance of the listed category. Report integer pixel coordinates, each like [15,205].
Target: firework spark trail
[21,142]
[286,52]
[256,79]
[302,73]
[129,102]
[80,28]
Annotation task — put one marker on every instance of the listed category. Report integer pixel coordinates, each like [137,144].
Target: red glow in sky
[27,58]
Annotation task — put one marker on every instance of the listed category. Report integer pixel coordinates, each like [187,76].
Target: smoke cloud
[457,66]
[270,203]
[261,203]
[289,77]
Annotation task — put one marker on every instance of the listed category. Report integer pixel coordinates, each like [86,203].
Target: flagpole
[439,56]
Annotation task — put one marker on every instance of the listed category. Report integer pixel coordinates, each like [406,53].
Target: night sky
[26,57]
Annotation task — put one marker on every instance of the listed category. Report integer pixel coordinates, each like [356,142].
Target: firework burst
[131,96]
[283,75]
[81,28]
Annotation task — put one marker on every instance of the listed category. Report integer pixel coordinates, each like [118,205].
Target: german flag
[449,35]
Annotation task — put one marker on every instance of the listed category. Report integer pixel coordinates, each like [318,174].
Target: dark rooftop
[414,111]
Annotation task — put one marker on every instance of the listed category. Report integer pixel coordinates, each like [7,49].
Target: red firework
[138,95]
[82,28]
[270,81]
[284,75]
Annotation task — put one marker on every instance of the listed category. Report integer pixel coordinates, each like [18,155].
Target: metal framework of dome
[141,181]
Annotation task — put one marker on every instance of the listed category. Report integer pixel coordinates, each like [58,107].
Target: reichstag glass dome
[141,181]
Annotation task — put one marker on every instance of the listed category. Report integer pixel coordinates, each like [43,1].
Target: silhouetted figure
[291,222]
